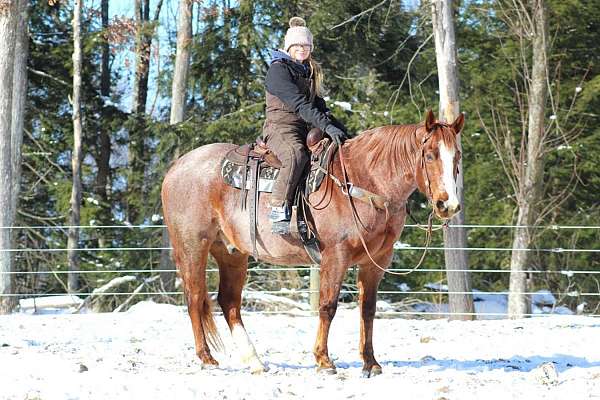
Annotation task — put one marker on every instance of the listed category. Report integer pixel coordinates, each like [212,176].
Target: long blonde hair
[316,76]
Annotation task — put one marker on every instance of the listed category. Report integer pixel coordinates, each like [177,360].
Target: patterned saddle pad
[233,166]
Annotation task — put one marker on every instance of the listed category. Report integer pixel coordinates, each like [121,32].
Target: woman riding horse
[294,103]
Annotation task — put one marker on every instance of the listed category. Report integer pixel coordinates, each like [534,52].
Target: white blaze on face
[447,157]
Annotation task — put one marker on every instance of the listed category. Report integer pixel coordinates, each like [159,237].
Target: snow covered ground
[148,353]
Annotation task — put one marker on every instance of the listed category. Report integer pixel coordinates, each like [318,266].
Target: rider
[294,105]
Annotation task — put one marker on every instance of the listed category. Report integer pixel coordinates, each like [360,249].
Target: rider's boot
[280,220]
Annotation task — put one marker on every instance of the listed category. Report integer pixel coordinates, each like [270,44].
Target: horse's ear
[458,123]
[429,120]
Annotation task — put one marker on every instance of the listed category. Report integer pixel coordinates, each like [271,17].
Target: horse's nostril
[440,205]
[457,208]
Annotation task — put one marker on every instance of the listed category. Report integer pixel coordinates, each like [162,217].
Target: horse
[203,216]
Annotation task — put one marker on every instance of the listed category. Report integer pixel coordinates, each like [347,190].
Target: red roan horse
[203,216]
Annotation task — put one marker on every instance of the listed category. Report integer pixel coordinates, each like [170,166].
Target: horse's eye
[429,157]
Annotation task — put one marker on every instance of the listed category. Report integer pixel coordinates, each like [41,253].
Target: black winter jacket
[286,79]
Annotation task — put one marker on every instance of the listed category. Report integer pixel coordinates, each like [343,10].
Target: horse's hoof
[258,368]
[208,362]
[209,366]
[327,370]
[373,371]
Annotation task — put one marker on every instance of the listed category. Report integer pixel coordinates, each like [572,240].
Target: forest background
[380,68]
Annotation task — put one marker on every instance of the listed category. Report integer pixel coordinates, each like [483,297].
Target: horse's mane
[395,145]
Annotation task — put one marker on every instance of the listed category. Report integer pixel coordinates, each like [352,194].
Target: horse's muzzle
[444,210]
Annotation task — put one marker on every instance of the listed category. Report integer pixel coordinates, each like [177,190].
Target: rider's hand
[336,134]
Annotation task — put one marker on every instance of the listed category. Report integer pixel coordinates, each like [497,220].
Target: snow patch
[148,353]
[399,245]
[436,286]
[344,105]
[50,304]
[543,298]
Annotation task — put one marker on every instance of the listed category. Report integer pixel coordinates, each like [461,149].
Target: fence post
[314,288]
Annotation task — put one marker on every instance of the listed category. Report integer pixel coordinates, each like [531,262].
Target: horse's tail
[211,333]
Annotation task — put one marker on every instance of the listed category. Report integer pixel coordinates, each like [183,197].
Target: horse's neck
[395,186]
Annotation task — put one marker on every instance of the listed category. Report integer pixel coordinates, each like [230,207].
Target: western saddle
[253,168]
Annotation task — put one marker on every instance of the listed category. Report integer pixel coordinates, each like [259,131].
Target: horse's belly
[271,248]
[282,256]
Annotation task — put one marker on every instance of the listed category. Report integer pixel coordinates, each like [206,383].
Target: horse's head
[437,165]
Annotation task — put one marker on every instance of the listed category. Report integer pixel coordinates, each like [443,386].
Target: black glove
[339,124]
[336,134]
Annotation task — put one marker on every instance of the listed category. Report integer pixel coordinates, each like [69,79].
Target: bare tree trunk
[19,98]
[75,201]
[530,184]
[182,61]
[138,156]
[142,55]
[179,91]
[456,260]
[8,24]
[104,147]
[245,32]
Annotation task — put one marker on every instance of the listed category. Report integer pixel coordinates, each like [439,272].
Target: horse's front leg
[369,277]
[331,277]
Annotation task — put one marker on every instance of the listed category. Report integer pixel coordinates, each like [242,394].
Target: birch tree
[8,23]
[461,303]
[534,25]
[75,201]
[522,153]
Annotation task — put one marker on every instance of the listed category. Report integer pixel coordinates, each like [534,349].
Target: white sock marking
[246,348]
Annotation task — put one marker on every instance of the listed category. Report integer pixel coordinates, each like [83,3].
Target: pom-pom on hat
[298,33]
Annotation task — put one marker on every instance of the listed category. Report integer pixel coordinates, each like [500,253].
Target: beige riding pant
[289,145]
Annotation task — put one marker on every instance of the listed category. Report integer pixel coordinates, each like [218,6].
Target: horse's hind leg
[191,260]
[232,277]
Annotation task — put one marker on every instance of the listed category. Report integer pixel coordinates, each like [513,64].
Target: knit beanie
[298,33]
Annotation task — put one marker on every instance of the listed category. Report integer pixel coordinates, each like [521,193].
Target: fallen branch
[106,288]
[135,292]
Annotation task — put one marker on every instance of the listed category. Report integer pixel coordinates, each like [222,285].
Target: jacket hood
[280,55]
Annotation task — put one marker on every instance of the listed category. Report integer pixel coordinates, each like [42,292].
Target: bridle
[424,141]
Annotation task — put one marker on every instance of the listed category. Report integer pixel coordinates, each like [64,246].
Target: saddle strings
[328,186]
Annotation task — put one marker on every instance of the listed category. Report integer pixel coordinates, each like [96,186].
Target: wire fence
[305,293]
[144,226]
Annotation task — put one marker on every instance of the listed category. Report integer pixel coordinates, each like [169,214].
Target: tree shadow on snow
[562,362]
